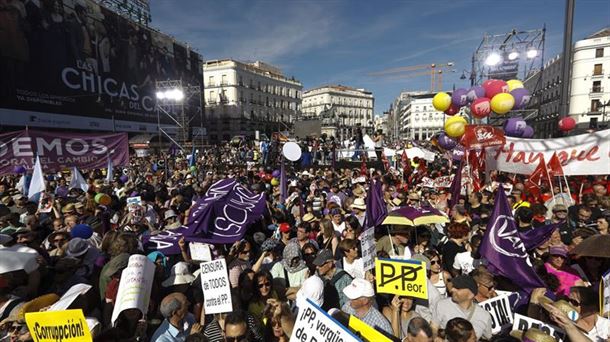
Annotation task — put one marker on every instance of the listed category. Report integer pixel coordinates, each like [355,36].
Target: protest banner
[64,326]
[402,277]
[216,287]
[522,323]
[68,298]
[132,201]
[61,150]
[316,325]
[200,251]
[500,310]
[135,286]
[585,154]
[604,295]
[438,182]
[369,251]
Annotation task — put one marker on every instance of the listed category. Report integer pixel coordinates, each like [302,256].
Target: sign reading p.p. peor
[402,277]
[58,326]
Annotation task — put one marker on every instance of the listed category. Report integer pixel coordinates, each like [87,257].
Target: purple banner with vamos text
[58,151]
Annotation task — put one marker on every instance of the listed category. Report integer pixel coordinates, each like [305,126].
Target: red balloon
[495,87]
[480,107]
[268,177]
[567,124]
[488,82]
[452,110]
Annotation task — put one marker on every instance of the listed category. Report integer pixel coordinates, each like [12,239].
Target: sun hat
[82,231]
[358,204]
[78,205]
[309,217]
[359,288]
[77,247]
[180,274]
[312,288]
[558,250]
[68,208]
[169,214]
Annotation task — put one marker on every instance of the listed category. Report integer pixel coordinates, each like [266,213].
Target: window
[223,96]
[223,80]
[599,52]
[241,81]
[597,87]
[212,98]
[595,105]
[211,81]
[597,69]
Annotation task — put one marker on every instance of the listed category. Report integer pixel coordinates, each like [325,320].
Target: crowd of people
[307,246]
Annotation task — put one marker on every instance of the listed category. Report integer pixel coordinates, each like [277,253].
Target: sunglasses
[434,262]
[260,286]
[236,338]
[59,240]
[574,302]
[488,287]
[245,252]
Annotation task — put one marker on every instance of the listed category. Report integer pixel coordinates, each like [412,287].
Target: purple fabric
[376,210]
[456,186]
[62,150]
[221,216]
[413,213]
[533,238]
[503,248]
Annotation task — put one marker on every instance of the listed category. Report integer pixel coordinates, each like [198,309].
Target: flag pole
[549,179]
[567,187]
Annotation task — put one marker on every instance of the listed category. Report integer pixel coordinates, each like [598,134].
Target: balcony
[596,90]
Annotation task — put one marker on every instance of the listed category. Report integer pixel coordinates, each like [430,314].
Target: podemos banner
[58,151]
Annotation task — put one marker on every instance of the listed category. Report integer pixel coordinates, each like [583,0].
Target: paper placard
[200,251]
[64,302]
[135,286]
[136,200]
[65,326]
[316,325]
[402,277]
[522,323]
[216,287]
[46,202]
[500,310]
[369,251]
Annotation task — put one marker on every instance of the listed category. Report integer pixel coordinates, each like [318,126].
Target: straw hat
[309,217]
[180,274]
[532,334]
[358,204]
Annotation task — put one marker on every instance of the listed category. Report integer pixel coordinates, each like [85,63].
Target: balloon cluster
[272,178]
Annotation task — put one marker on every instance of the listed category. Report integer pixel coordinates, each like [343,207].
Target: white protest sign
[135,286]
[604,295]
[68,298]
[216,287]
[438,182]
[500,310]
[522,323]
[137,200]
[200,251]
[369,252]
[316,325]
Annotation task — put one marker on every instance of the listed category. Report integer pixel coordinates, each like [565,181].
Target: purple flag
[535,237]
[456,186]
[283,189]
[503,248]
[221,216]
[376,209]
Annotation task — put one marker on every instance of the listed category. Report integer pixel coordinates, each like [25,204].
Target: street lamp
[532,53]
[513,55]
[493,59]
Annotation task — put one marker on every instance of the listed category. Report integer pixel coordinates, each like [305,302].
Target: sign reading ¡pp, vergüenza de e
[67,325]
[315,324]
[402,277]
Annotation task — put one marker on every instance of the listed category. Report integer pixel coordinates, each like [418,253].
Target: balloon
[275,182]
[455,126]
[502,103]
[268,177]
[522,97]
[488,82]
[459,98]
[445,142]
[19,169]
[193,168]
[475,92]
[441,101]
[480,107]
[276,173]
[292,151]
[514,84]
[102,199]
[458,153]
[452,110]
[528,132]
[514,127]
[567,124]
[124,178]
[495,87]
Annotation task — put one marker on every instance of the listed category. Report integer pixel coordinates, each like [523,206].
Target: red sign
[481,136]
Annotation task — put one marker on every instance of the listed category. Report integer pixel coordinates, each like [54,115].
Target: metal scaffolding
[175,100]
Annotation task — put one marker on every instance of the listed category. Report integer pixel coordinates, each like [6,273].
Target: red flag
[554,166]
[363,168]
[476,168]
[386,162]
[406,163]
[535,180]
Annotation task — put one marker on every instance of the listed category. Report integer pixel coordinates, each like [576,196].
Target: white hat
[358,204]
[360,179]
[180,275]
[306,173]
[359,288]
[312,288]
[189,176]
[169,214]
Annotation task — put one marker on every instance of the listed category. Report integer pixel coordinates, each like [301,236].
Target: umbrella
[411,216]
[594,246]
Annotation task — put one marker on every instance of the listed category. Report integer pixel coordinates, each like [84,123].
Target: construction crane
[434,70]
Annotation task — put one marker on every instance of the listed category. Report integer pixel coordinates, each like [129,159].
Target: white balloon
[291,151]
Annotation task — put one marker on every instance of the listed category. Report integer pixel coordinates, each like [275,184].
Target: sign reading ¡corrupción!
[58,151]
[402,277]
[65,326]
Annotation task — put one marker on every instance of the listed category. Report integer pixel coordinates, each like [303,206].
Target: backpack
[331,295]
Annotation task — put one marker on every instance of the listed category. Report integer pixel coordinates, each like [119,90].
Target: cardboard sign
[216,287]
[365,331]
[68,326]
[200,251]
[604,295]
[316,325]
[522,323]
[500,310]
[402,277]
[66,300]
[135,286]
[369,251]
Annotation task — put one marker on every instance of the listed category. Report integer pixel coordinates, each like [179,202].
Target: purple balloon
[124,178]
[458,98]
[19,169]
[475,92]
[276,173]
[522,97]
[446,142]
[514,127]
[528,132]
[458,153]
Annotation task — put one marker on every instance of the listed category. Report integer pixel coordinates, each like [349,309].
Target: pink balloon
[480,107]
[567,124]
[495,87]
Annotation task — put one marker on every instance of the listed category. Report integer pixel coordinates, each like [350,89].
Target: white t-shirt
[601,330]
[464,262]
[339,228]
[355,269]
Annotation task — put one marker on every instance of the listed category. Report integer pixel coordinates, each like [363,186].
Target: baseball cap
[285,228]
[323,257]
[359,288]
[82,231]
[465,282]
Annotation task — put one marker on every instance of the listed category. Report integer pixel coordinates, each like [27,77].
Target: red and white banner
[585,154]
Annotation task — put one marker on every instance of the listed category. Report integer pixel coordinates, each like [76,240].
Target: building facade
[242,98]
[349,106]
[416,116]
[545,98]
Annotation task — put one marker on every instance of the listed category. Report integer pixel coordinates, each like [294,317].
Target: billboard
[75,59]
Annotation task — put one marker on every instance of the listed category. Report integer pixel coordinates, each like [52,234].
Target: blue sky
[342,41]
